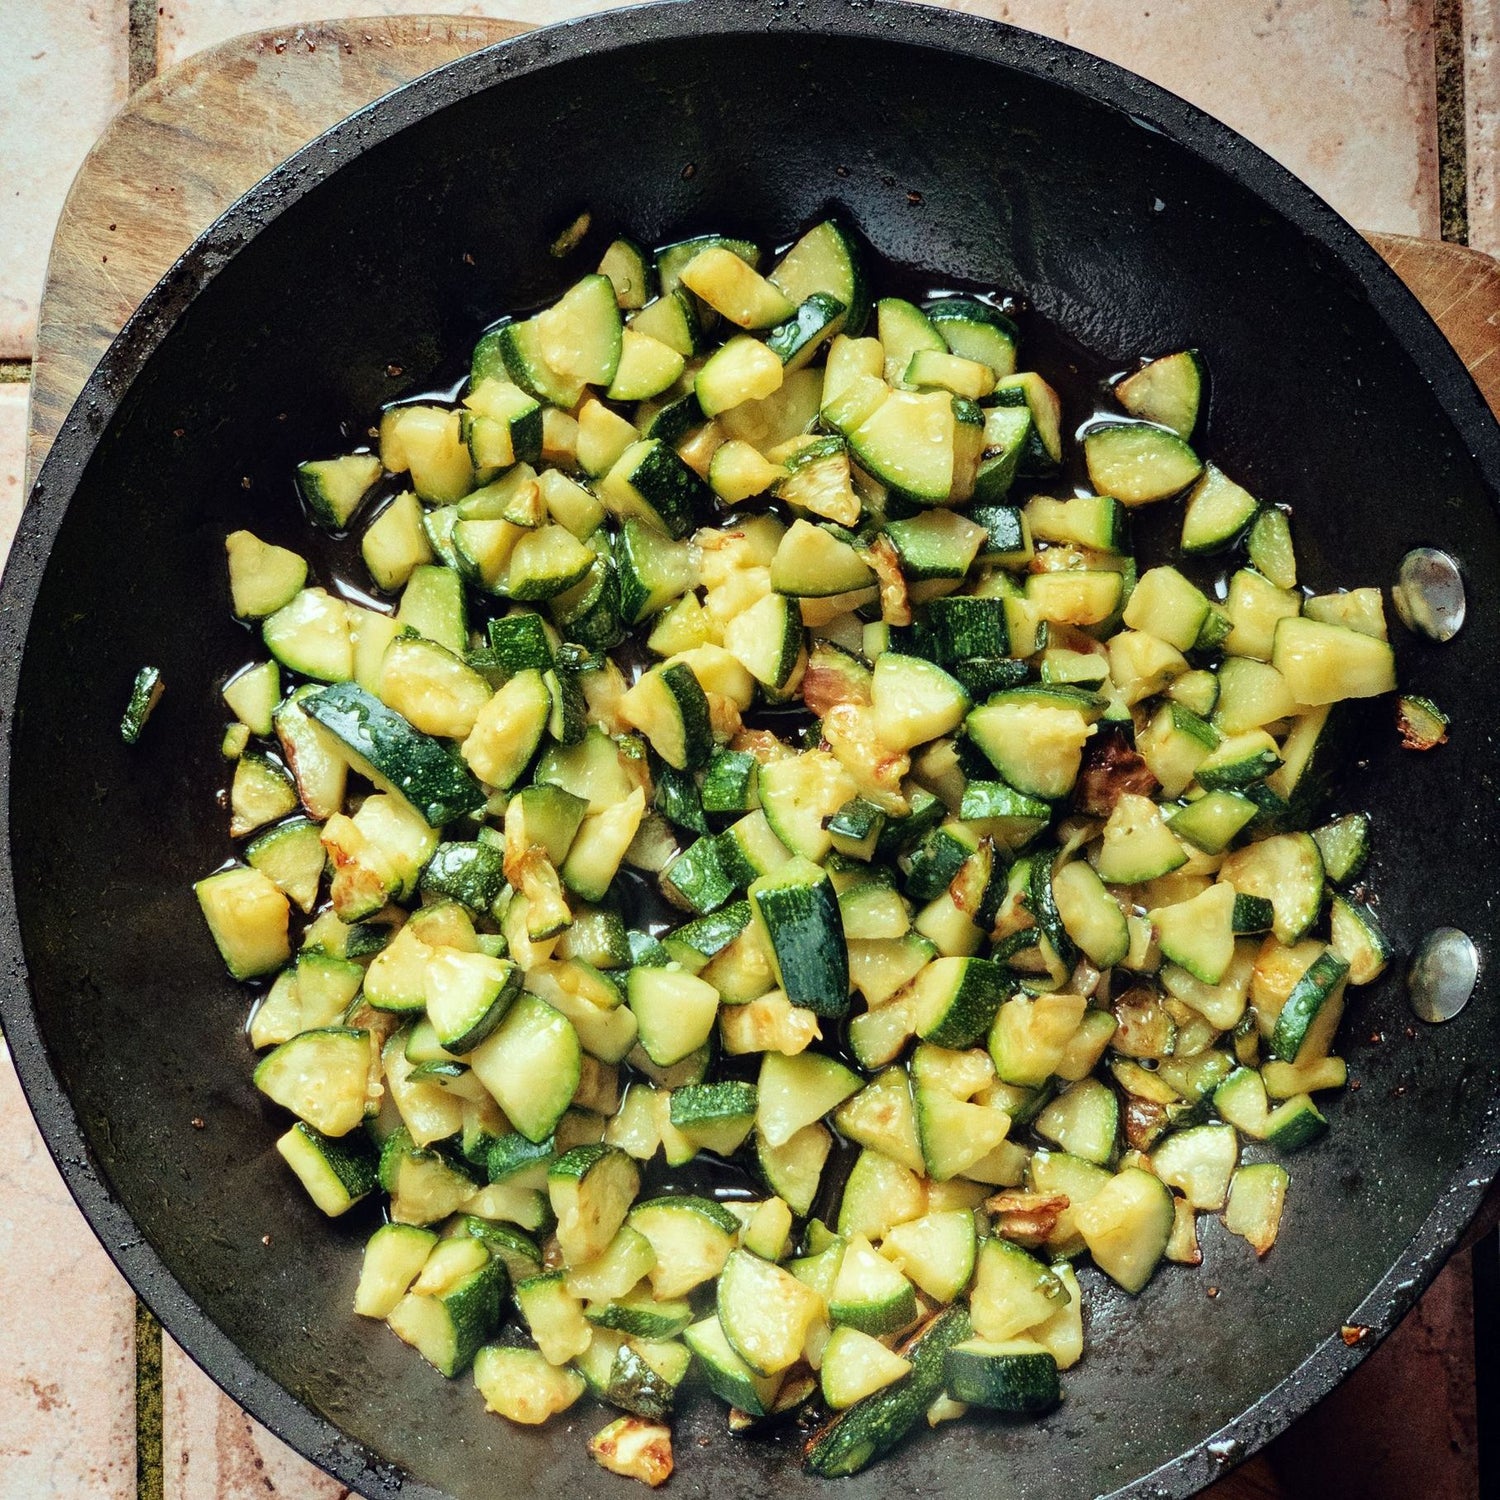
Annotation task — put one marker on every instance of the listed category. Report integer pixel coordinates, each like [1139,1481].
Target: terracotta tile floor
[1341,90]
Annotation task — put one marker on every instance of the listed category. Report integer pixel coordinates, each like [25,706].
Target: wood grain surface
[190,142]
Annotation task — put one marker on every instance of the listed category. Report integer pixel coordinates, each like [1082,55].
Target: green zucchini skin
[871,1428]
[145,692]
[1010,1381]
[801,918]
[470,873]
[422,769]
[1311,992]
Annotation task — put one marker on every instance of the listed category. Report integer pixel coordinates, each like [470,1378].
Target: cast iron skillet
[958,146]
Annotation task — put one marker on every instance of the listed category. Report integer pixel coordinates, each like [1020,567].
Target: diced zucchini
[523,1386]
[797,915]
[1166,605]
[826,260]
[914,700]
[1026,389]
[870,1293]
[591,1188]
[333,488]
[793,1092]
[976,331]
[1199,1163]
[1286,870]
[714,1116]
[1126,1225]
[630,272]
[692,1238]
[1167,391]
[765,1312]
[453,1306]
[1138,463]
[1017,1375]
[427,442]
[247,915]
[292,855]
[668,706]
[1271,550]
[1138,845]
[1256,1199]
[879,1193]
[311,635]
[1083,1120]
[1357,937]
[909,443]
[531,1064]
[734,289]
[1199,933]
[252,695]
[855,1365]
[1218,511]
[1036,747]
[1212,823]
[396,756]
[394,1257]
[467,995]
[1030,1034]
[651,482]
[262,578]
[794,1169]
[336,1173]
[728,1376]
[600,845]
[261,793]
[767,639]
[1328,663]
[322,1077]
[1303,1020]
[955,1000]
[1078,1181]
[936,1251]
[954,1134]
[812,322]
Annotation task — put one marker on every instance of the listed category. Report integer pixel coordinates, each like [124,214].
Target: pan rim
[1106,84]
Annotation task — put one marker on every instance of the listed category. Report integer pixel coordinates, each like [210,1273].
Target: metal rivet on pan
[1429,594]
[1442,974]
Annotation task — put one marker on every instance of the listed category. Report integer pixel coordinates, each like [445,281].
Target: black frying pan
[1134,222]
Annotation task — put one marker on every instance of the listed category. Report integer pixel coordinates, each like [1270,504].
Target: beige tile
[1482,105]
[12,461]
[67,1331]
[1341,91]
[63,73]
[187,26]
[211,1450]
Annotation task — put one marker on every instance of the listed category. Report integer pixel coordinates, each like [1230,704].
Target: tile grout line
[142,42]
[150,1476]
[150,1473]
[1452,120]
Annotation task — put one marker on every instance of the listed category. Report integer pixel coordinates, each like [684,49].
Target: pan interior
[958,170]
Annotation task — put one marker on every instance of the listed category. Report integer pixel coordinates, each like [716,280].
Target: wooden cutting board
[195,138]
